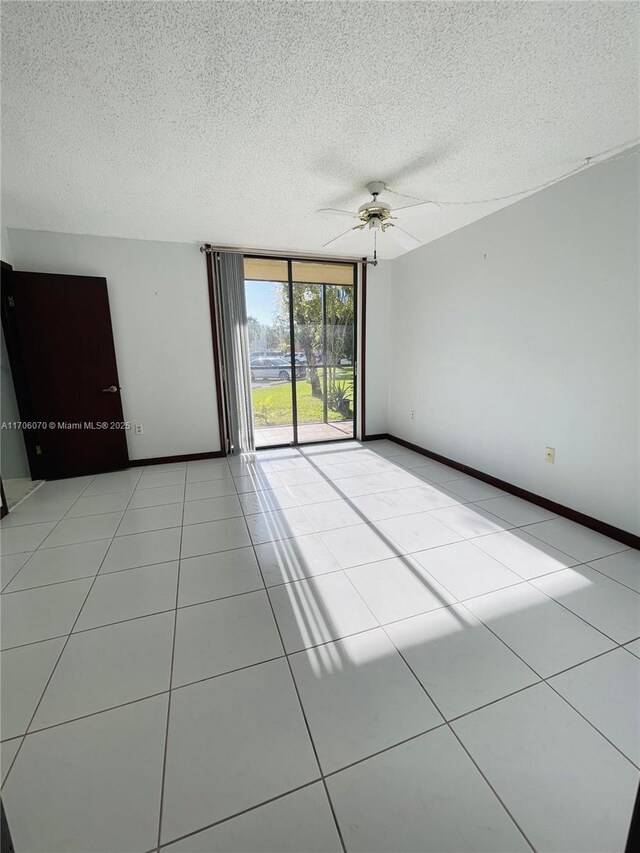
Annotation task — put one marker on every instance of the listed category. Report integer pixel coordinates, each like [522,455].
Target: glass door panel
[267,299]
[324,338]
[301,317]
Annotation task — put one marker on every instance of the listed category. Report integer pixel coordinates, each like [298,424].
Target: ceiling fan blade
[334,211]
[344,234]
[432,156]
[402,237]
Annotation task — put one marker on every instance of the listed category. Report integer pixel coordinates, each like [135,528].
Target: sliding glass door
[302,322]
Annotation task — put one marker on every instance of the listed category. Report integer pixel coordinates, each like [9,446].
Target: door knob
[112,389]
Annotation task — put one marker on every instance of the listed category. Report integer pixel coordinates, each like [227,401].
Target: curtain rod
[270,253]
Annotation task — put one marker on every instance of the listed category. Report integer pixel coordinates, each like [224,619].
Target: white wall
[521,331]
[161,326]
[378,347]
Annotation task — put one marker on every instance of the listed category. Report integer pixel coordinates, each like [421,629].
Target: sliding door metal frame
[292,354]
[355,367]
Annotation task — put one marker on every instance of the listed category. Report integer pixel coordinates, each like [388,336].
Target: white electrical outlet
[139,429]
[413,415]
[550,455]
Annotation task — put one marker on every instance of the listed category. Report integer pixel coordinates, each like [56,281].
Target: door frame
[359,292]
[33,438]
[18,373]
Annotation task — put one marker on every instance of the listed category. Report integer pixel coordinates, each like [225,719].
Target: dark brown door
[60,330]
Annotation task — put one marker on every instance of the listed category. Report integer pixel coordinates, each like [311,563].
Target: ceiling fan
[378,216]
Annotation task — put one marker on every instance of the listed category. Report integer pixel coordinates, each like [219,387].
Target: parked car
[269,353]
[270,368]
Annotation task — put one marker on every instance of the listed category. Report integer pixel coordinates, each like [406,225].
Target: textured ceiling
[233,122]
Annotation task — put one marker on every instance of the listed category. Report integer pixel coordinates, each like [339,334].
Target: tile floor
[337,648]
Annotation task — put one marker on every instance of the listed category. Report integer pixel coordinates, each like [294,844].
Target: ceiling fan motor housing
[374,209]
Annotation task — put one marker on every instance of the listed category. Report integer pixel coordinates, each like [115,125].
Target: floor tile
[86,529]
[107,667]
[326,607]
[214,536]
[117,596]
[603,603]
[34,513]
[516,511]
[41,613]
[342,470]
[301,821]
[436,472]
[234,742]
[584,776]
[212,576]
[290,464]
[99,504]
[417,532]
[65,563]
[296,477]
[118,481]
[353,546]
[224,635]
[24,676]
[606,690]
[72,487]
[218,471]
[210,489]
[369,484]
[470,521]
[267,500]
[332,515]
[410,459]
[157,497]
[73,811]
[574,539]
[163,468]
[314,493]
[540,631]
[402,502]
[212,509]
[10,565]
[150,518]
[634,648]
[524,554]
[461,664]
[8,751]
[259,482]
[465,570]
[623,567]
[295,559]
[158,480]
[142,549]
[474,490]
[398,588]
[424,795]
[359,698]
[27,537]
[280,524]
[385,447]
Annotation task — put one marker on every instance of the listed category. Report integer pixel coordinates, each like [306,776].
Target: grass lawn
[272,406]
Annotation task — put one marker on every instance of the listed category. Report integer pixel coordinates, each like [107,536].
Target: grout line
[451,730]
[238,814]
[55,666]
[173,653]
[302,710]
[286,655]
